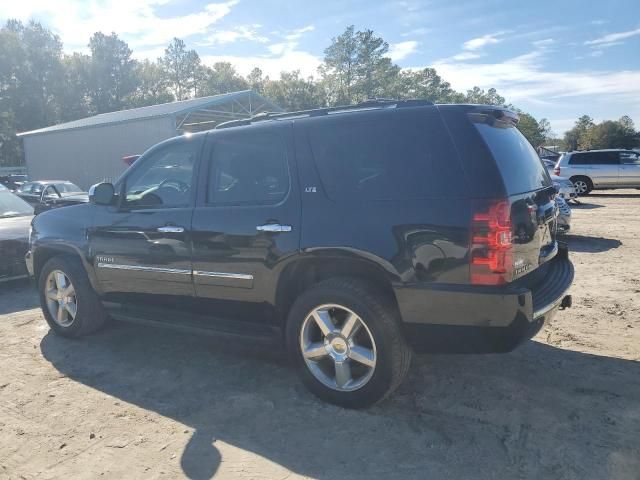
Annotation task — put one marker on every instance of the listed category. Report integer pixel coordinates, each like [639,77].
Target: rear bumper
[474,319]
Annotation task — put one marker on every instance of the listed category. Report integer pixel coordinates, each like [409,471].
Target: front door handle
[170,229]
[273,227]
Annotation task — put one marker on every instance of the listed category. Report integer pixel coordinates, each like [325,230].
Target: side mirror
[102,193]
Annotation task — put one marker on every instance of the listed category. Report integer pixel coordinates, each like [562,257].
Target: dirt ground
[139,403]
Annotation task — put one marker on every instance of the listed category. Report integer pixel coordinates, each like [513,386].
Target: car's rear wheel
[582,185]
[69,304]
[346,341]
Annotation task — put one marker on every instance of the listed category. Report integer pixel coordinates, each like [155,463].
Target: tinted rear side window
[521,168]
[579,159]
[595,158]
[396,156]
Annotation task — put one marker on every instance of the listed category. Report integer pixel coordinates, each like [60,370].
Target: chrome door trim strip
[237,276]
[141,268]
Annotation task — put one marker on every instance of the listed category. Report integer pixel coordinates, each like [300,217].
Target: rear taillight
[557,171]
[491,254]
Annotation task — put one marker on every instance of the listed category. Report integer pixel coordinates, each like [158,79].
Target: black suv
[349,236]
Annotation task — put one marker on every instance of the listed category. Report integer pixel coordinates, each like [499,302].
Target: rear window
[396,156]
[521,168]
[595,158]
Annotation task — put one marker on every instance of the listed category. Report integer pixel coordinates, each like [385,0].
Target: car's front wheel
[69,304]
[346,341]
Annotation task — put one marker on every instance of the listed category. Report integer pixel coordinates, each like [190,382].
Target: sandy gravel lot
[139,403]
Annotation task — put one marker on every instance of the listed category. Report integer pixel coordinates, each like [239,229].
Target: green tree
[182,69]
[34,74]
[221,78]
[573,137]
[293,93]
[610,134]
[73,96]
[339,66]
[535,131]
[256,80]
[31,76]
[355,67]
[478,96]
[425,83]
[153,86]
[111,73]
[10,148]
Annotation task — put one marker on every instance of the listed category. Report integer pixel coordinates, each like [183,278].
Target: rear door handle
[170,229]
[273,227]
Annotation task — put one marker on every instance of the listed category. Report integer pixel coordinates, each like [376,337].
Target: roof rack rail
[364,105]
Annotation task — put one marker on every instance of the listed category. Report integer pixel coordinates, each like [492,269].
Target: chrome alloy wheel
[580,186]
[61,298]
[338,348]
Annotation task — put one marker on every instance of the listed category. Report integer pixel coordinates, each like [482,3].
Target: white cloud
[466,56]
[299,32]
[524,76]
[524,81]
[271,65]
[401,50]
[613,37]
[481,42]
[243,32]
[278,48]
[136,22]
[416,32]
[281,56]
[544,43]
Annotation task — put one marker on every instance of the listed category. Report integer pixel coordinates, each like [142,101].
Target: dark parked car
[12,182]
[15,221]
[47,194]
[349,236]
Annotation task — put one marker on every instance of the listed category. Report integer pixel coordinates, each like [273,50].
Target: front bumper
[475,319]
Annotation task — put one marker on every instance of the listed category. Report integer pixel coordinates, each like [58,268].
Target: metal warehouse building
[90,150]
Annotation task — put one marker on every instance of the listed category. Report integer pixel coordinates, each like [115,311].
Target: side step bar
[196,324]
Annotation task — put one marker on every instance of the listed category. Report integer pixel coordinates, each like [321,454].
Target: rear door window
[595,158]
[395,156]
[521,168]
[248,168]
[605,158]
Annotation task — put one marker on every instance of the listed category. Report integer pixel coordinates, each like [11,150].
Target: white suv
[600,169]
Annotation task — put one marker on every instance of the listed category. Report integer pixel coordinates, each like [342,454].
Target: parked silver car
[563,220]
[600,169]
[565,187]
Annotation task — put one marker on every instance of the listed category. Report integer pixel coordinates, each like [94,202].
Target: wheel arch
[310,269]
[44,253]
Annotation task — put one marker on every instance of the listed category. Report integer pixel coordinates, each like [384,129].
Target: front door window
[164,179]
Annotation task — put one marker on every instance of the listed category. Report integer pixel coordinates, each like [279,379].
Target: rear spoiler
[497,117]
[130,159]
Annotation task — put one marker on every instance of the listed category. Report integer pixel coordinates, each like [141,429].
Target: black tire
[586,181]
[90,313]
[381,319]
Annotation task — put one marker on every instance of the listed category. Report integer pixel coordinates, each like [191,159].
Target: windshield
[12,206]
[68,187]
[521,168]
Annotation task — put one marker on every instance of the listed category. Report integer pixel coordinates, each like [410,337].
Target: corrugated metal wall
[90,155]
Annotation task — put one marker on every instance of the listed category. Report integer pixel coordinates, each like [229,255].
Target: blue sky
[555,59]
